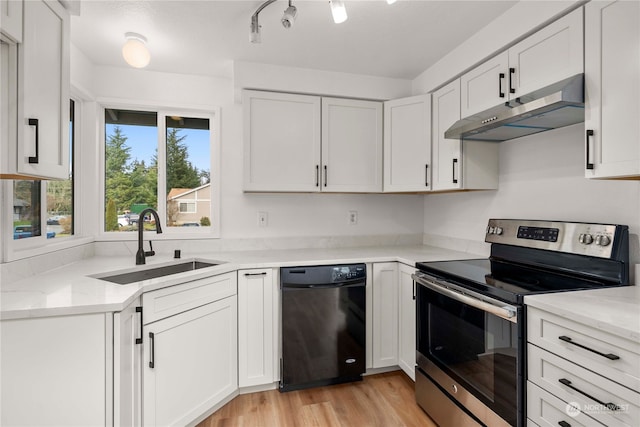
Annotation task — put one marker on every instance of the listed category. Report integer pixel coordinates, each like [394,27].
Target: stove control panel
[597,240]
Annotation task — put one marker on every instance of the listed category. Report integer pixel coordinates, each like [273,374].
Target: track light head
[289,17]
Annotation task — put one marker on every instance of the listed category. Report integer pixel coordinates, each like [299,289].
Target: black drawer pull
[455,180]
[589,165]
[264,273]
[35,159]
[500,92]
[610,406]
[426,175]
[564,424]
[609,356]
[152,359]
[325,175]
[512,72]
[139,340]
[317,175]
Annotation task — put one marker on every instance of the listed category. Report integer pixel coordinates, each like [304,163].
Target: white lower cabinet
[407,321]
[127,365]
[385,314]
[257,327]
[571,363]
[191,355]
[53,371]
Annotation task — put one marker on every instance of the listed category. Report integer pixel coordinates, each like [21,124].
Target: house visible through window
[160,161]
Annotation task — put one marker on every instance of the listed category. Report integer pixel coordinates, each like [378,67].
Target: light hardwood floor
[383,400]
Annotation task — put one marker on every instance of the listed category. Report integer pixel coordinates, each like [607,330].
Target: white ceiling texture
[205,36]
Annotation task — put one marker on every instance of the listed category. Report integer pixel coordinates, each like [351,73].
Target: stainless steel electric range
[470,317]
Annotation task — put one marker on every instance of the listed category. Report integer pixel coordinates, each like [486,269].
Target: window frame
[211,113]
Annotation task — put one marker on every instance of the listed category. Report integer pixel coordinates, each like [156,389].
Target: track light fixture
[289,16]
[338,10]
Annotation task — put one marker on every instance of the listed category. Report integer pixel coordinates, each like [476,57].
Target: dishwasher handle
[345,284]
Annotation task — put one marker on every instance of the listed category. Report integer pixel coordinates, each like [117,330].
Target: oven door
[470,346]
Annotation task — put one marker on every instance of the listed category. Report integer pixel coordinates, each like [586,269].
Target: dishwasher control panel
[348,272]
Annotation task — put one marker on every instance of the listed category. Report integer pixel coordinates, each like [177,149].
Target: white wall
[290,215]
[541,177]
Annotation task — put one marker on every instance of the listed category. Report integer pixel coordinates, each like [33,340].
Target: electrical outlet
[353,217]
[263,219]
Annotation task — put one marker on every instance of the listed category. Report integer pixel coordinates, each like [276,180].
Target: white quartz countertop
[613,310]
[71,289]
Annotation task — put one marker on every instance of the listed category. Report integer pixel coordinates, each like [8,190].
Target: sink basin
[152,273]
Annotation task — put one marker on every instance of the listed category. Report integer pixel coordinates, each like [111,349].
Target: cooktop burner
[503,280]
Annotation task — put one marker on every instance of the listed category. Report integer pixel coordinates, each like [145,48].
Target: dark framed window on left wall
[45,208]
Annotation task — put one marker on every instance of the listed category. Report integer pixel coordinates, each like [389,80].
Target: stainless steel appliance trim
[489,305]
[462,396]
[568,236]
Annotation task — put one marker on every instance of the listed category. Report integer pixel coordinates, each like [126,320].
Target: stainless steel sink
[152,273]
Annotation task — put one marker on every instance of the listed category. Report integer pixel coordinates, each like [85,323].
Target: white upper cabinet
[546,57]
[308,143]
[11,19]
[351,145]
[458,165]
[612,89]
[281,142]
[407,144]
[43,118]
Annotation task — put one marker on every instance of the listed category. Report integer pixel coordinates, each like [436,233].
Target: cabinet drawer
[546,410]
[588,389]
[545,329]
[177,299]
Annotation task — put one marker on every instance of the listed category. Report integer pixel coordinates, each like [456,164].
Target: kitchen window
[44,209]
[163,161]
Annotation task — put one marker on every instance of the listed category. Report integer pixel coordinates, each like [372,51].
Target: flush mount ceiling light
[135,50]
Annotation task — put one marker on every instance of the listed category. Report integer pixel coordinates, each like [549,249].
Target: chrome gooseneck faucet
[141,254]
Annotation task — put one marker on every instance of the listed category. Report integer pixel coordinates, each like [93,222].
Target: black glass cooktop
[503,280]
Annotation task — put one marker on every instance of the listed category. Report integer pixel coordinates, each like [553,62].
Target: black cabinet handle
[264,273]
[34,159]
[500,78]
[325,175]
[139,340]
[453,175]
[317,175]
[609,356]
[426,175]
[414,290]
[587,141]
[512,72]
[564,424]
[152,359]
[610,406]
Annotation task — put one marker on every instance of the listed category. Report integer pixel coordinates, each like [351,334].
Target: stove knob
[491,230]
[586,239]
[602,240]
[498,231]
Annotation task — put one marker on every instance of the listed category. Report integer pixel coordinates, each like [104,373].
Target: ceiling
[205,36]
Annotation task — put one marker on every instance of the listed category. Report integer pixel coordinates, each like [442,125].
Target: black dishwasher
[323,325]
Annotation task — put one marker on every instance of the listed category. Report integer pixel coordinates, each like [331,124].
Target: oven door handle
[505,311]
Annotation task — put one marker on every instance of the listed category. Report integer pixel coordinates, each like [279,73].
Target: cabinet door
[54,371]
[446,152]
[43,58]
[281,142]
[351,145]
[127,366]
[407,144]
[486,86]
[612,89]
[548,56]
[190,363]
[11,19]
[407,322]
[385,314]
[257,327]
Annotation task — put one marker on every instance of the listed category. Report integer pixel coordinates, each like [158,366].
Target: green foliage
[111,218]
[205,221]
[180,172]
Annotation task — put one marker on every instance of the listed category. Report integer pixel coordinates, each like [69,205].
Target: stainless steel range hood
[555,106]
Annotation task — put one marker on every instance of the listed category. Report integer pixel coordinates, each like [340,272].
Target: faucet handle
[151,252]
